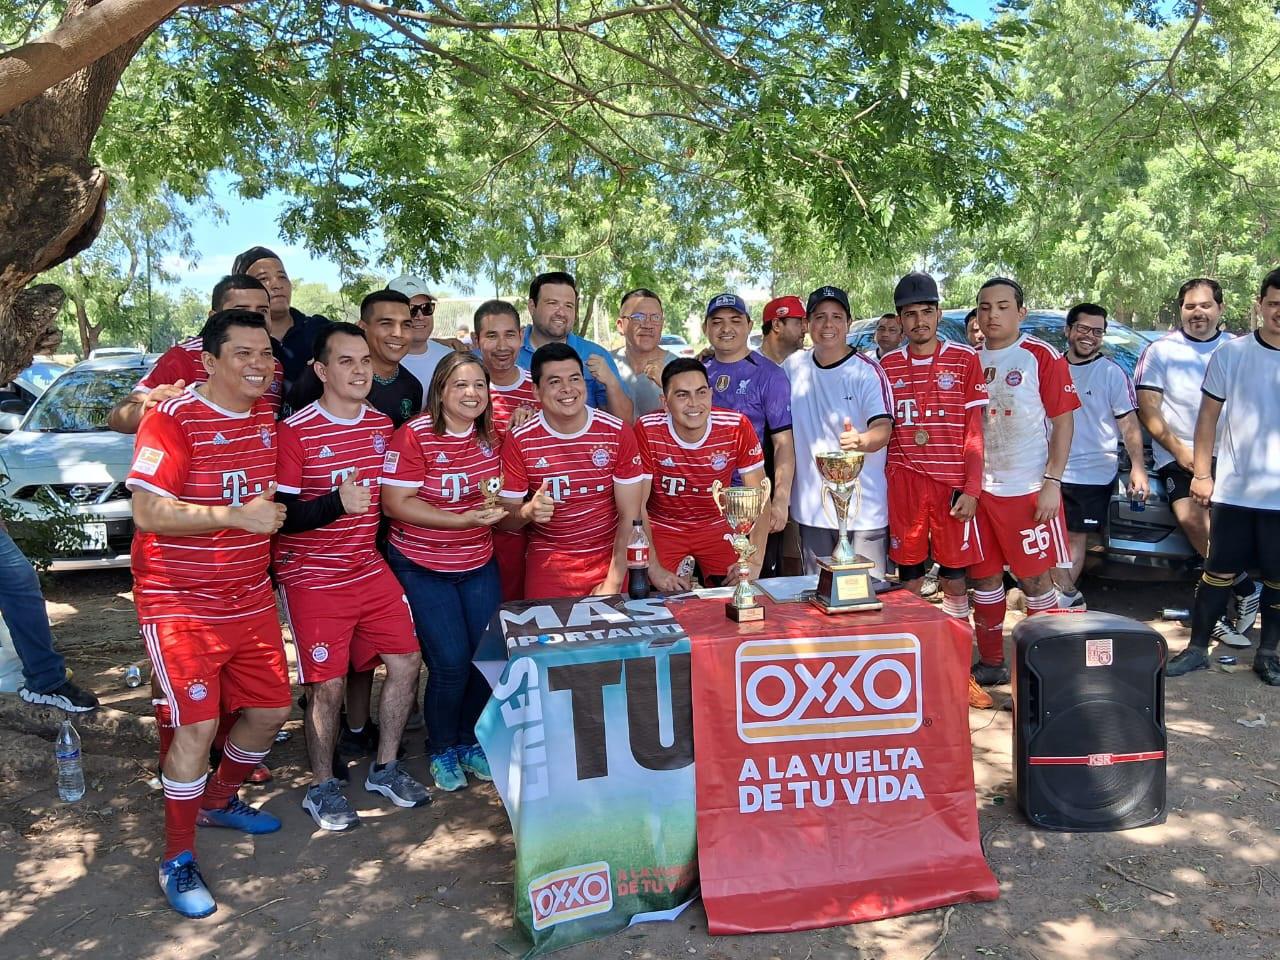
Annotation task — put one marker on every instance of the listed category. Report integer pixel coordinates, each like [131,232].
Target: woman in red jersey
[441,549]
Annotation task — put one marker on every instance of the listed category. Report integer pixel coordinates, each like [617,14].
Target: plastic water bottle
[70,772]
[638,563]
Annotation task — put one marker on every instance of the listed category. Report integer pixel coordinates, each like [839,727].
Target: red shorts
[707,544]
[921,525]
[1011,537]
[548,574]
[207,669]
[351,625]
[509,547]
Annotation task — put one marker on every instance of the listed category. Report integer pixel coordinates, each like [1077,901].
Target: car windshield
[80,401]
[40,375]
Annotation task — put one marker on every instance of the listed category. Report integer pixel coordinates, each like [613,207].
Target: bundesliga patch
[946,380]
[600,457]
[393,460]
[265,434]
[148,461]
[1013,378]
[379,443]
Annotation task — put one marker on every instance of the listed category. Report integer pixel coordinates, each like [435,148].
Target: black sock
[1270,641]
[1243,585]
[1210,604]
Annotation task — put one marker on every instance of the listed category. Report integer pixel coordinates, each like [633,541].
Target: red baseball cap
[782,308]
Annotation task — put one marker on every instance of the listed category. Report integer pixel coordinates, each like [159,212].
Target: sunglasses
[422,309]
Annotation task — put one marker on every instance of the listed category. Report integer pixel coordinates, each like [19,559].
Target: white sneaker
[1223,633]
[1072,601]
[1245,614]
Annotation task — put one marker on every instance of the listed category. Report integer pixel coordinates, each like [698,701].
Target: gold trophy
[844,585]
[491,488]
[742,507]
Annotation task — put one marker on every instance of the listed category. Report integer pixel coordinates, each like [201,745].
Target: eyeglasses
[425,309]
[1095,333]
[648,319]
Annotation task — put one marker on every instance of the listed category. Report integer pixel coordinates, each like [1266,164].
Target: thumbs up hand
[356,499]
[850,439]
[540,507]
[262,514]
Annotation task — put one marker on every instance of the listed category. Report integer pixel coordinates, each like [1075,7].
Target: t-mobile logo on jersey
[235,486]
[558,487]
[453,486]
[338,477]
[673,485]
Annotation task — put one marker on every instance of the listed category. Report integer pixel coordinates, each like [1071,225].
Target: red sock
[164,727]
[235,766]
[988,624]
[225,722]
[181,805]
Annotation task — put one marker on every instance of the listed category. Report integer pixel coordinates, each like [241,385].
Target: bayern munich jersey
[448,470]
[505,401]
[182,362]
[683,472]
[932,397]
[1028,384]
[188,449]
[1245,375]
[1174,367]
[1106,395]
[318,451]
[580,469]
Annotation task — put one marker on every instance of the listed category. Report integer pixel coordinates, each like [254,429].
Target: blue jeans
[22,605]
[450,613]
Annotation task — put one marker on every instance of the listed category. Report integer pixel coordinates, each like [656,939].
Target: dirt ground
[436,882]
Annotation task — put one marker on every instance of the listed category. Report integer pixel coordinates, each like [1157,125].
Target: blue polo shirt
[597,396]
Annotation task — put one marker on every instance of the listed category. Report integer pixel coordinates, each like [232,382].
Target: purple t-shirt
[758,388]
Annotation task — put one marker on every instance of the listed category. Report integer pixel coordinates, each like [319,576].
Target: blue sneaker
[184,887]
[474,762]
[446,771]
[238,815]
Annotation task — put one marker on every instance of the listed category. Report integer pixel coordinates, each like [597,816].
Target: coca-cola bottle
[638,562]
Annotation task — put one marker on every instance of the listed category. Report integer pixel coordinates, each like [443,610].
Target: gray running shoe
[329,808]
[1245,614]
[1223,633]
[394,783]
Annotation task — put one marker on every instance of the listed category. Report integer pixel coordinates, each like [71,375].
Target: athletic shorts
[348,626]
[1086,506]
[707,545]
[1011,537]
[550,574]
[921,525]
[1243,539]
[509,547]
[1177,482]
[209,668]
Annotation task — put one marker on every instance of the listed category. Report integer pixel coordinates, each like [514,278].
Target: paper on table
[787,589]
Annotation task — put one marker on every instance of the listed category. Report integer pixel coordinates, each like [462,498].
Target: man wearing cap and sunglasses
[783,326]
[745,380]
[424,352]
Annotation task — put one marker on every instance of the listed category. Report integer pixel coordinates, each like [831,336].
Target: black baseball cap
[827,293]
[915,287]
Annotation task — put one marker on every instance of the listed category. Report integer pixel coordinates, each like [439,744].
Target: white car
[63,452]
[674,343]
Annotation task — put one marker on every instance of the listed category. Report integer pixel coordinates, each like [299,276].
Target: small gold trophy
[491,488]
[844,585]
[742,507]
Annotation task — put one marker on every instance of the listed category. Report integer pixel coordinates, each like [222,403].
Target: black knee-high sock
[1210,604]
[1270,641]
[1243,585]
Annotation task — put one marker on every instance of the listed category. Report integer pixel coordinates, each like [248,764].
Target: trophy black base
[743,614]
[845,587]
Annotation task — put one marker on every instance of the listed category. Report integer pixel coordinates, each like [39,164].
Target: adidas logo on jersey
[666,462]
[219,440]
[541,464]
[900,384]
[325,452]
[441,458]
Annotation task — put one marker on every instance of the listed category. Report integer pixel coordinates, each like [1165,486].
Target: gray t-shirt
[646,396]
[423,365]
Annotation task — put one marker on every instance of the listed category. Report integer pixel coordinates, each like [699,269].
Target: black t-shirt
[399,398]
[294,349]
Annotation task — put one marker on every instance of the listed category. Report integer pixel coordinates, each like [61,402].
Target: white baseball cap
[409,285]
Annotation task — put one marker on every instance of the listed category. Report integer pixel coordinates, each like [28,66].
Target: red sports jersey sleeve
[161,458]
[176,363]
[1057,391]
[628,468]
[975,394]
[403,465]
[515,478]
[289,460]
[750,453]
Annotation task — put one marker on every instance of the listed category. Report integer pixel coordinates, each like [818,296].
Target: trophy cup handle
[767,494]
[717,495]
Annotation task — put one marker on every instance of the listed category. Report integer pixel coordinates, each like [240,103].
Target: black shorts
[1177,482]
[1086,505]
[1243,538]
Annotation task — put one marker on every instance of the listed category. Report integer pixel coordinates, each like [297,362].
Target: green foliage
[58,531]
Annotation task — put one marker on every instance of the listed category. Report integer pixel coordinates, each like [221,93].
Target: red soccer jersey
[446,470]
[683,472]
[507,400]
[580,470]
[317,453]
[931,399]
[182,362]
[188,449]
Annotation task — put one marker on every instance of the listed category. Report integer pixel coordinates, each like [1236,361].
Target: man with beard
[783,326]
[1169,377]
[641,358]
[1107,412]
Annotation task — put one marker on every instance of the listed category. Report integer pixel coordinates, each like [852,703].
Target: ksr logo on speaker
[570,894]
[820,688]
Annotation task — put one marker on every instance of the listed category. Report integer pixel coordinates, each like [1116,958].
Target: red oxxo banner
[833,763]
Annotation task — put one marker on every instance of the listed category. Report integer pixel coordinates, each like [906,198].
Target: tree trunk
[52,196]
[88,332]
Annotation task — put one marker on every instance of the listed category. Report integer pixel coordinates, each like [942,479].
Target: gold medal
[922,437]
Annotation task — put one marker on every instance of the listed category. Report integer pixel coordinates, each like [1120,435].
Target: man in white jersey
[1168,377]
[1108,411]
[1241,408]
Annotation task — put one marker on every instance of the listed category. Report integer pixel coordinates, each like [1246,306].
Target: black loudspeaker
[1088,722]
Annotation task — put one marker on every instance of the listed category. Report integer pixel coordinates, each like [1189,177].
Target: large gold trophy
[742,507]
[844,583]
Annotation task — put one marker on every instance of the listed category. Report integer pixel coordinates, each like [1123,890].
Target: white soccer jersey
[1245,375]
[821,398]
[1174,366]
[1106,394]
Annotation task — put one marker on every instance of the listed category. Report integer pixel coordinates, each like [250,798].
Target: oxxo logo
[570,894]
[819,688]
